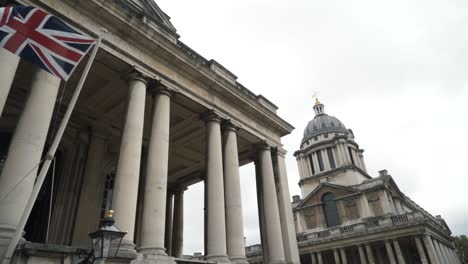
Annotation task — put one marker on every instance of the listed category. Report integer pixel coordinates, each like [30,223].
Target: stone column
[261,213]
[370,255]
[128,168]
[430,249]
[315,162]
[270,204]
[8,63]
[337,155]
[344,260]
[364,206]
[232,189]
[422,254]
[385,202]
[344,150]
[288,231]
[306,166]
[362,254]
[438,251]
[319,258]
[326,162]
[336,256]
[391,257]
[399,254]
[313,258]
[444,252]
[216,221]
[355,158]
[169,223]
[449,254]
[178,230]
[299,167]
[25,151]
[89,205]
[154,210]
[363,163]
[453,256]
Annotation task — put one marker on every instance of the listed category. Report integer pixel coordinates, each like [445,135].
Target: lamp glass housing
[106,242]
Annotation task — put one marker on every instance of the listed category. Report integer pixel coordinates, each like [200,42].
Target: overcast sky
[394,71]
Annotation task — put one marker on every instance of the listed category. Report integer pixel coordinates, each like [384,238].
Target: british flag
[42,39]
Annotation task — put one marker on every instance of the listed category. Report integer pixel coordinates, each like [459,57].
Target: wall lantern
[106,241]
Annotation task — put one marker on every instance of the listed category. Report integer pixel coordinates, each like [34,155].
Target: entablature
[160,56]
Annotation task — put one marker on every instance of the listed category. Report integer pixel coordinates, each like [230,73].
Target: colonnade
[429,250]
[162,215]
[342,157]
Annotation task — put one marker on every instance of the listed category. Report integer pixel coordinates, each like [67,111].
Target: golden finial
[110,213]
[317,101]
[315,95]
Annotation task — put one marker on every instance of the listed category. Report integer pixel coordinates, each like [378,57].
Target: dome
[322,123]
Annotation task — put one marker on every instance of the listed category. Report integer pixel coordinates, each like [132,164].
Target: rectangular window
[311,162]
[351,155]
[320,160]
[331,158]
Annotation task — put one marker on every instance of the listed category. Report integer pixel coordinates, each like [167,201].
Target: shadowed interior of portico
[101,109]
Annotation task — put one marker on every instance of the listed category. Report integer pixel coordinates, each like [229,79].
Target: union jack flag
[42,39]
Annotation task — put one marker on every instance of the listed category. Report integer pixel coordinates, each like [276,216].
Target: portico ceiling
[102,105]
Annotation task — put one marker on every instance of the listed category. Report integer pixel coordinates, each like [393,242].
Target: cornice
[333,172]
[150,39]
[326,142]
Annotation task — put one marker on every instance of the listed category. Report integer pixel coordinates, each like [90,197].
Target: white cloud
[395,71]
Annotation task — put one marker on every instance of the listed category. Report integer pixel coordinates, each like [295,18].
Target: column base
[154,259]
[239,260]
[218,258]
[153,251]
[126,250]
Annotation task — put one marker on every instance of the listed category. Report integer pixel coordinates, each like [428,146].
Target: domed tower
[328,153]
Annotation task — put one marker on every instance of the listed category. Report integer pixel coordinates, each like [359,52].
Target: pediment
[316,195]
[148,8]
[393,187]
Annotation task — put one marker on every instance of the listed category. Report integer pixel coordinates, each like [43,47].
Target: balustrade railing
[371,224]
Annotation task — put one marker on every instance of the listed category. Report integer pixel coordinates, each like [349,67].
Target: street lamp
[106,241]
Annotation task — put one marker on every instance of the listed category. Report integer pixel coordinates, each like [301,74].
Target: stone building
[154,117]
[346,216]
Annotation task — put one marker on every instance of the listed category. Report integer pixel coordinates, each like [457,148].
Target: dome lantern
[318,107]
[322,123]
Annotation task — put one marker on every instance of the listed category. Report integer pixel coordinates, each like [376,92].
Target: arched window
[331,211]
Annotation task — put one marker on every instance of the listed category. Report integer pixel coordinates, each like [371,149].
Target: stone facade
[347,216]
[154,117]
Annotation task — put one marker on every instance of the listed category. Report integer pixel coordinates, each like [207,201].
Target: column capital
[136,75]
[282,152]
[228,124]
[211,116]
[157,87]
[264,145]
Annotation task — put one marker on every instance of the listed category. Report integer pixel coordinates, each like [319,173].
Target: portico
[147,126]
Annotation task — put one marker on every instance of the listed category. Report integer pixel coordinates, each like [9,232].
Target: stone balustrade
[369,225]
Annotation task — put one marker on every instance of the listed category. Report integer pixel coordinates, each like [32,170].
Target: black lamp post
[106,241]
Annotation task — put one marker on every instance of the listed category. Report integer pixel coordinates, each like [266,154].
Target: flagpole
[50,156]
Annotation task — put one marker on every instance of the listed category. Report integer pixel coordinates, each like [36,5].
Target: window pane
[331,158]
[331,211]
[320,160]
[311,162]
[351,155]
